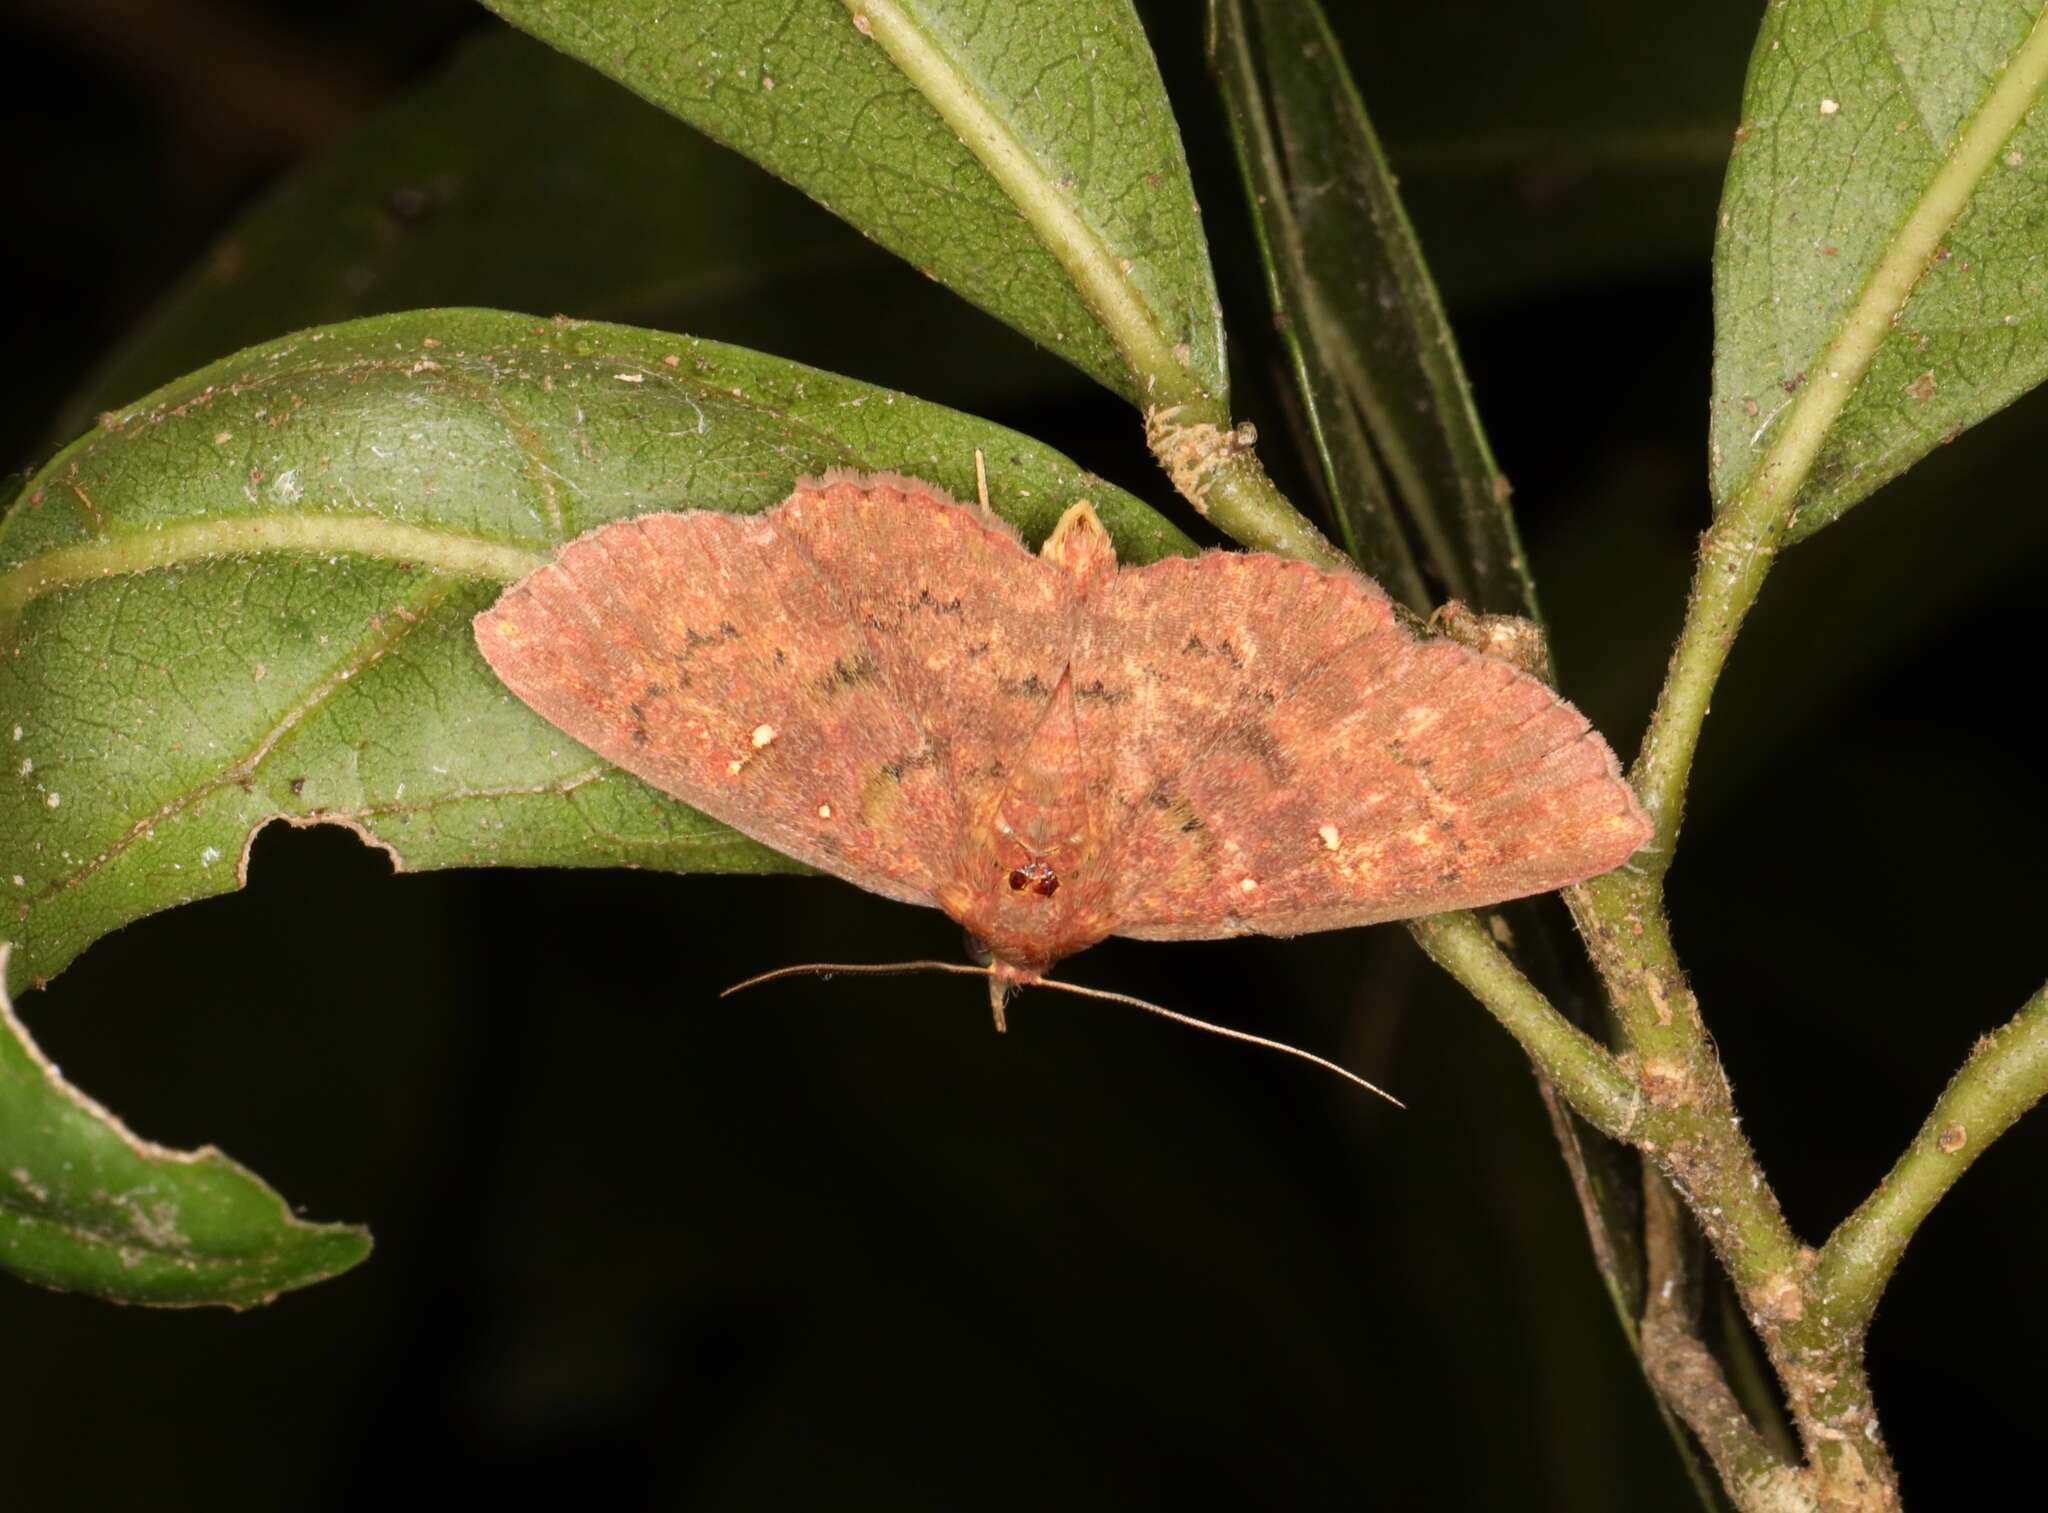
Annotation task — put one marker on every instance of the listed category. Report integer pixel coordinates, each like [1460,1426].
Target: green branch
[1210,462]
[1688,1377]
[1582,1069]
[2005,1075]
[1689,1126]
[1692,1130]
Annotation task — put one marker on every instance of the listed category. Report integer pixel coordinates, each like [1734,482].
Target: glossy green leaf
[517,178]
[87,1207]
[1876,283]
[1085,236]
[248,596]
[1412,482]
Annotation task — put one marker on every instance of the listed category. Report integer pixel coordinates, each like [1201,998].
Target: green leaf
[1876,275]
[1411,479]
[519,179]
[87,1207]
[1071,216]
[248,596]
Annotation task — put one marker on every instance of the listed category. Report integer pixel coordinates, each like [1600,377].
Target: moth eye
[1037,876]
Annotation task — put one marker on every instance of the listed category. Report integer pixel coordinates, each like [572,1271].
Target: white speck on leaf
[1829,107]
[53,799]
[209,856]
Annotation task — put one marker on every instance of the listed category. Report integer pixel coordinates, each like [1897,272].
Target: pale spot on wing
[763,734]
[1329,835]
[824,811]
[1418,718]
[1249,885]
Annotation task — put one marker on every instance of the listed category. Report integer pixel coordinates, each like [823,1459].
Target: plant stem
[1212,464]
[2006,1074]
[1687,1375]
[1583,1069]
[1692,1129]
[1689,1126]
[1214,468]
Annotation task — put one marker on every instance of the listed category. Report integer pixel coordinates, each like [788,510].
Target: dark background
[840,1245]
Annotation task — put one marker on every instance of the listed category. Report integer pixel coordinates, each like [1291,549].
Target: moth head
[1026,911]
[1037,878]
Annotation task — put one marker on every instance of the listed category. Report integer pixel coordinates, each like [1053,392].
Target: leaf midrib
[1784,470]
[178,543]
[1074,243]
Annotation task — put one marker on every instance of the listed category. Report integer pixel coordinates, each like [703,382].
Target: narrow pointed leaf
[1412,482]
[87,1207]
[1088,240]
[1411,479]
[1876,279]
[248,596]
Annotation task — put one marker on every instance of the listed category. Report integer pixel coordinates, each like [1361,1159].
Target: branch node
[1780,1298]
[1512,638]
[1667,1082]
[1194,452]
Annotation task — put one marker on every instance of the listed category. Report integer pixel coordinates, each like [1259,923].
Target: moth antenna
[981,488]
[861,968]
[999,992]
[1224,1030]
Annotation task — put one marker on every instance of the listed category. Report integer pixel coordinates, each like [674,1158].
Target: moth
[887,684]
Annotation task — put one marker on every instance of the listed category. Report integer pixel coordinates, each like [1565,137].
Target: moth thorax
[1041,845]
[1041,831]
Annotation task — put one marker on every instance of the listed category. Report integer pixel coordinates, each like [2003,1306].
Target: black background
[840,1245]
